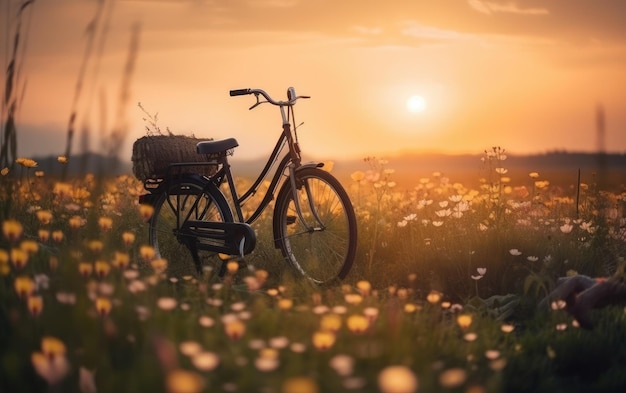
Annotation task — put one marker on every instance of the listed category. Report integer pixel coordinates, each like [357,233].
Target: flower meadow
[443,296]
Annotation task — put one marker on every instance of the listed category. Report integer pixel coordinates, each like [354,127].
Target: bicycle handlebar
[239,92]
[291,96]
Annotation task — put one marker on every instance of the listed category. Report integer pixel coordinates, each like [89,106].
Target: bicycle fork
[309,196]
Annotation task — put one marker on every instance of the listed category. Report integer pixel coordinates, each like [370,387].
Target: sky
[528,76]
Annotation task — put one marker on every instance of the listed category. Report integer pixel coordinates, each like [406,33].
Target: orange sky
[524,75]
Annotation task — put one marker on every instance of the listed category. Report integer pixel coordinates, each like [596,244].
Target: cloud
[491,7]
[367,30]
[422,31]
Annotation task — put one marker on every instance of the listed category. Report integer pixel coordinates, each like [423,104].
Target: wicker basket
[152,156]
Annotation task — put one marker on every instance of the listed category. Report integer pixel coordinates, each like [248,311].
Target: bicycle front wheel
[316,232]
[188,199]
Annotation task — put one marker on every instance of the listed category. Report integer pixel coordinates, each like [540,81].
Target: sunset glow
[416,104]
[528,77]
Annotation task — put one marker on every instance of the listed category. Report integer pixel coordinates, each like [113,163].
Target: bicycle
[313,222]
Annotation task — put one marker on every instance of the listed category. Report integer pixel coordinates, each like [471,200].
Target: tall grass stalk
[14,88]
[92,30]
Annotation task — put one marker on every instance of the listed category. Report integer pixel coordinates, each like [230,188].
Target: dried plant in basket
[153,153]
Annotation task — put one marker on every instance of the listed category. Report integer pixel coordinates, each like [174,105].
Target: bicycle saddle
[215,147]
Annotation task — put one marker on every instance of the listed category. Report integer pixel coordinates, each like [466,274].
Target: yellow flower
[464,320]
[75,222]
[12,230]
[52,346]
[62,189]
[51,363]
[235,329]
[95,245]
[397,379]
[146,211]
[353,298]
[285,304]
[103,306]
[232,267]
[102,268]
[44,216]
[205,361]
[434,297]
[44,235]
[269,353]
[4,171]
[57,236]
[128,238]
[452,378]
[62,159]
[35,305]
[299,385]
[261,275]
[121,260]
[24,286]
[26,162]
[147,253]
[330,322]
[19,258]
[357,323]
[29,246]
[105,224]
[182,381]
[371,313]
[364,287]
[85,269]
[159,265]
[323,339]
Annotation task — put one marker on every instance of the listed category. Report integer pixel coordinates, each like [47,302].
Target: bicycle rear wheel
[320,241]
[187,199]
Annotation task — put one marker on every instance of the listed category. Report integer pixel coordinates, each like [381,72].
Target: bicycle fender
[310,165]
[151,198]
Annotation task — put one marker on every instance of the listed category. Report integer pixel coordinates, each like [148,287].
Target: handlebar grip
[239,92]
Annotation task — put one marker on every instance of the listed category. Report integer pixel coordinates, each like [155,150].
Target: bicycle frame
[290,162]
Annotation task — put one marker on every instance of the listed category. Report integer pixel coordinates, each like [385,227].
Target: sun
[416,104]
